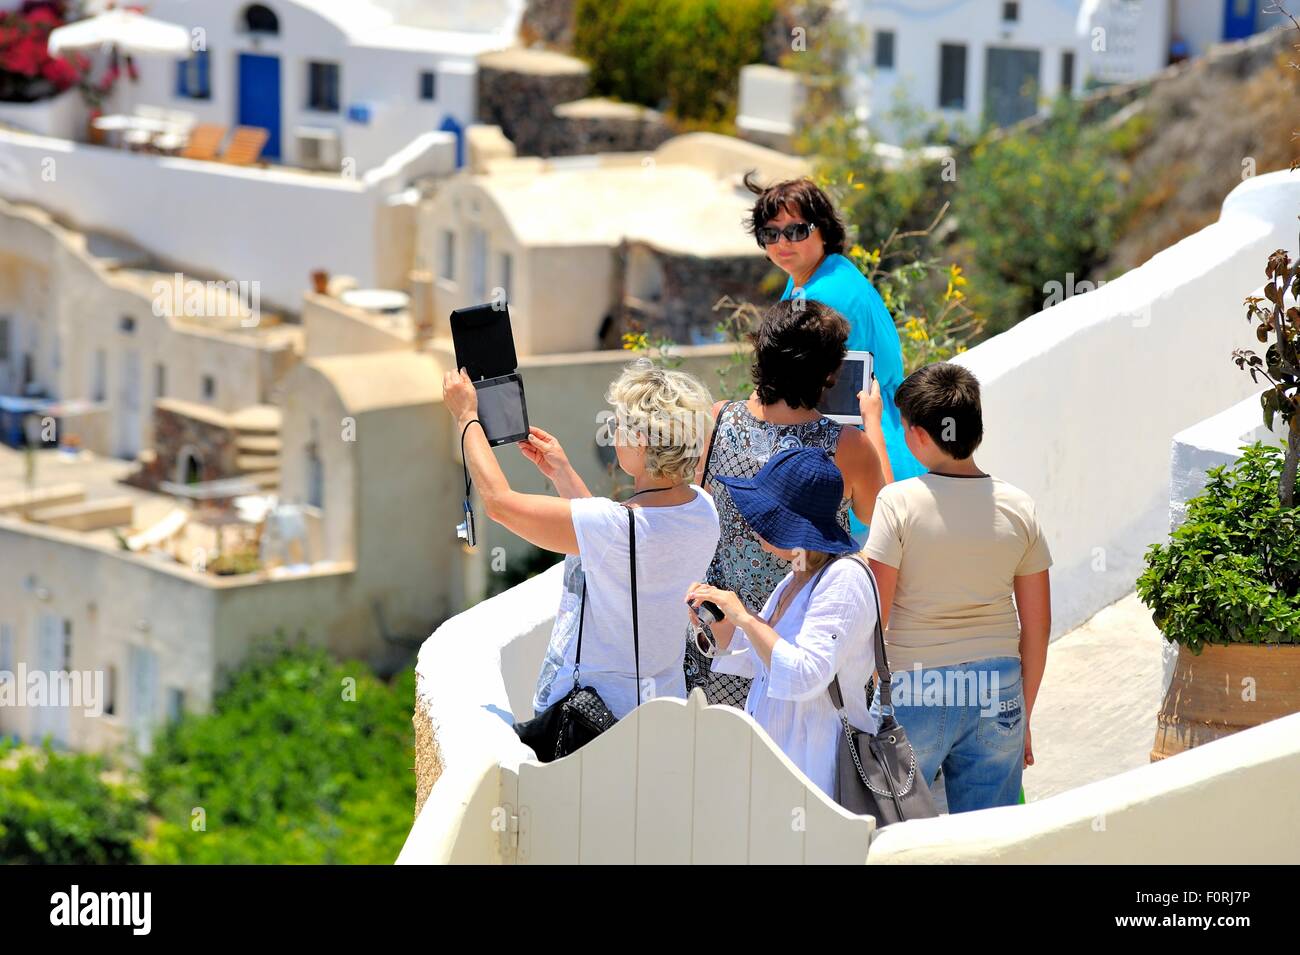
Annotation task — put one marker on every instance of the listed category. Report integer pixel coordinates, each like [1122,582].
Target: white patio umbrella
[124,30]
[130,32]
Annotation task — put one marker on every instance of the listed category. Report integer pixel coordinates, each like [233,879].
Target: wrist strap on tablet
[464,463]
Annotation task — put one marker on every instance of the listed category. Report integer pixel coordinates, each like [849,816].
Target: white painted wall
[63,116]
[1081,401]
[1126,42]
[1211,443]
[1155,813]
[271,226]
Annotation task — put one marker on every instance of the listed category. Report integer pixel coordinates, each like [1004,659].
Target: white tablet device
[840,400]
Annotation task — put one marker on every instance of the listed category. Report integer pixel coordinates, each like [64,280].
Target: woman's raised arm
[542,520]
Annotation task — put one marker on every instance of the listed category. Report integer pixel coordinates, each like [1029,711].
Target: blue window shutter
[204,90]
[182,80]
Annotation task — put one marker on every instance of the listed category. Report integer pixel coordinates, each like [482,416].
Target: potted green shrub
[1226,586]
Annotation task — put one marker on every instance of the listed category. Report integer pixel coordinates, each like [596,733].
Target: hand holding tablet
[485,349]
[840,401]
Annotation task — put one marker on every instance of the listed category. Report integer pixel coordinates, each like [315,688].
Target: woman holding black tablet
[657,427]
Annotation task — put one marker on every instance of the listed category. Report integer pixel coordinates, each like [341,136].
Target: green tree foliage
[304,760]
[1033,207]
[1231,572]
[62,808]
[681,55]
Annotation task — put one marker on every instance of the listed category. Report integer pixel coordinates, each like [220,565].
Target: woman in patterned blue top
[797,352]
[798,227]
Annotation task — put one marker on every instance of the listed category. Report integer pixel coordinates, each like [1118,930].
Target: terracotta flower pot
[1224,690]
[320,280]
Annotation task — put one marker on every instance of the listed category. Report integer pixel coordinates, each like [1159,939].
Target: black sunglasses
[795,232]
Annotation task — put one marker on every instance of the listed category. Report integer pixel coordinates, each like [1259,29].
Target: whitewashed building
[1004,60]
[331,80]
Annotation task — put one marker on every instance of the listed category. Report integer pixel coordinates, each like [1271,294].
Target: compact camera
[465,529]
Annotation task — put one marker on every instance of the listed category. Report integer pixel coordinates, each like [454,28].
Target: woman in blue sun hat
[816,625]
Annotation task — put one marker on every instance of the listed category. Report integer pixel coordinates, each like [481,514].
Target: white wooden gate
[679,782]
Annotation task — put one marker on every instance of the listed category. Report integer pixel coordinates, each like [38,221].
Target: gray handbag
[878,774]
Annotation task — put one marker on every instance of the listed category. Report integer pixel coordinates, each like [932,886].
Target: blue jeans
[967,720]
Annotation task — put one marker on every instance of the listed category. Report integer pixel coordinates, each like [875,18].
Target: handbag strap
[582,614]
[882,658]
[636,630]
[713,440]
[582,607]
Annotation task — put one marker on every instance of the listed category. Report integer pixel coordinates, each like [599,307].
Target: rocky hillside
[1195,131]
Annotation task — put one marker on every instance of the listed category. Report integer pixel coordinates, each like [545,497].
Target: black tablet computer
[485,345]
[502,410]
[485,348]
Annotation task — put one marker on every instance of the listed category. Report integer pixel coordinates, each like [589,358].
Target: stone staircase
[257,445]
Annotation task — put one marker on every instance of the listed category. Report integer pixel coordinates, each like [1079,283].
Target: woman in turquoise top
[797,225]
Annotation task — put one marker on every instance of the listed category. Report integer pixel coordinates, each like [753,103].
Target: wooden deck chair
[245,145]
[205,141]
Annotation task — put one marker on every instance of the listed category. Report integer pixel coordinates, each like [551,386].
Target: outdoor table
[119,123]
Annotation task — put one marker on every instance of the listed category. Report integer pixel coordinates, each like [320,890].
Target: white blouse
[823,632]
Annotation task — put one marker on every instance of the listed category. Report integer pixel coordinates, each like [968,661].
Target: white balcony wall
[272,226]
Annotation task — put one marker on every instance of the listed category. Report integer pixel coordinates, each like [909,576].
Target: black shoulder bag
[878,774]
[581,716]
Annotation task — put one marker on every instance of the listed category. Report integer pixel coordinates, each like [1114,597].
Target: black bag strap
[582,607]
[636,630]
[582,613]
[882,658]
[713,440]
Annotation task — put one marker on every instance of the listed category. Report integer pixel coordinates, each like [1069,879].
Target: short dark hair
[802,195]
[944,399]
[798,351]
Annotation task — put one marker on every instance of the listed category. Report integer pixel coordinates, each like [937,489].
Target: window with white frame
[885,40]
[6,652]
[952,76]
[99,383]
[506,272]
[447,258]
[323,87]
[194,76]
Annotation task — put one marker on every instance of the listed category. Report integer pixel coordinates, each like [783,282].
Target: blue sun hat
[793,501]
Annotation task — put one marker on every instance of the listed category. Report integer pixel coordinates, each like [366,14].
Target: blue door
[449,125]
[259,97]
[1238,19]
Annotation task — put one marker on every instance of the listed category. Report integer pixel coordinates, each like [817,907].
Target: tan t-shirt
[957,542]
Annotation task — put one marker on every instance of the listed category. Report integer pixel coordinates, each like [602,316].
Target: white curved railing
[677,781]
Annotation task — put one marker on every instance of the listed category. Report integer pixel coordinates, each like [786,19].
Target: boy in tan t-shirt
[950,549]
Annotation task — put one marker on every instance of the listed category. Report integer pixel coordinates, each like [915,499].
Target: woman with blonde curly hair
[657,425]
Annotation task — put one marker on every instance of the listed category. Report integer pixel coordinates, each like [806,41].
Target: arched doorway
[449,125]
[189,466]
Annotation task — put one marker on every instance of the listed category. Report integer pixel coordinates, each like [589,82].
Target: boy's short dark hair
[944,399]
[798,351]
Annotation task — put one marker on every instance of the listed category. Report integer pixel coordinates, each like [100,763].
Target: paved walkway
[1096,712]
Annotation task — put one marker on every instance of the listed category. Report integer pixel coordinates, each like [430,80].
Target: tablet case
[484,343]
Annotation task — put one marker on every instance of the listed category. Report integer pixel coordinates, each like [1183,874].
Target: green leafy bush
[1034,207]
[61,808]
[1231,573]
[287,768]
[681,55]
